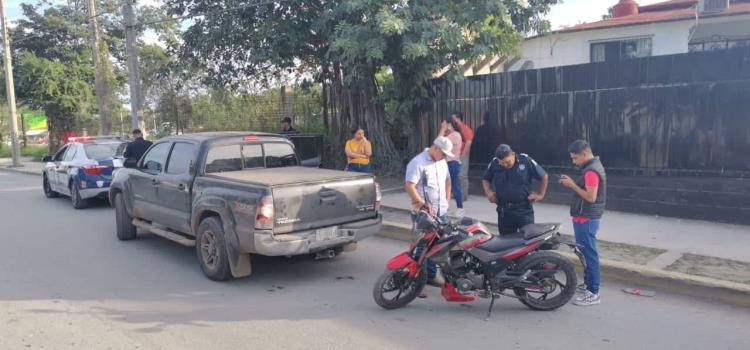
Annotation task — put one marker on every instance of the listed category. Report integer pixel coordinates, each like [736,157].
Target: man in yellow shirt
[358,153]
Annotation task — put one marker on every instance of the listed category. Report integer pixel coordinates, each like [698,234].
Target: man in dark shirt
[507,182]
[135,149]
[286,126]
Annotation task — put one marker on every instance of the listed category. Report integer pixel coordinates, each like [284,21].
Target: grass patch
[36,152]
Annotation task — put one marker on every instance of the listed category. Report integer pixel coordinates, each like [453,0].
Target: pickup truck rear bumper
[305,242]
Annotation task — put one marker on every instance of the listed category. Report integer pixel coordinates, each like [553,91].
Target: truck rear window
[250,156]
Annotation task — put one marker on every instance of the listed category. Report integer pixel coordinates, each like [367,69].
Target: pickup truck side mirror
[47,158]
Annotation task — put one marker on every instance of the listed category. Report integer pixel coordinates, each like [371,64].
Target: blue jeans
[454,168]
[359,168]
[586,237]
[429,265]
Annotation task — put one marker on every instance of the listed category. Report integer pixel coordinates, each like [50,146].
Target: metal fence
[686,114]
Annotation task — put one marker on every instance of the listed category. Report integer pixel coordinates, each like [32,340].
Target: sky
[570,12]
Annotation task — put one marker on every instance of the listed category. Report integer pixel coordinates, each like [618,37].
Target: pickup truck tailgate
[310,198]
[325,203]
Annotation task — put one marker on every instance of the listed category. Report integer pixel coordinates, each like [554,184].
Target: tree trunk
[360,108]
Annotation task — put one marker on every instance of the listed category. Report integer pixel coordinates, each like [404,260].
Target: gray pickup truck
[234,194]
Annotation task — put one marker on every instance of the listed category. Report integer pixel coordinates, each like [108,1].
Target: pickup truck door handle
[181,187]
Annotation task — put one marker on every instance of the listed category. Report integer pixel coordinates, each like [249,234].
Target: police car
[82,168]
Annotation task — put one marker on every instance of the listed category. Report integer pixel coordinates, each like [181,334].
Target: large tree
[344,44]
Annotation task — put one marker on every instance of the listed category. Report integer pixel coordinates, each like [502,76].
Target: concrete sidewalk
[28,166]
[692,247]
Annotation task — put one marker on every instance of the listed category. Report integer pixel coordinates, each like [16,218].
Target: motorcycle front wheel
[395,288]
[551,284]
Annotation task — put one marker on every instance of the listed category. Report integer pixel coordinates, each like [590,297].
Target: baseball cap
[286,120]
[445,145]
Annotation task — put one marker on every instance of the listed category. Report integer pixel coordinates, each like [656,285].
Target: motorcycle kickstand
[492,304]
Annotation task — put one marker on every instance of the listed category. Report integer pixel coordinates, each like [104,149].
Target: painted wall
[563,49]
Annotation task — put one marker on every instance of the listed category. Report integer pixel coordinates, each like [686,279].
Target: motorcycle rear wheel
[543,262]
[405,287]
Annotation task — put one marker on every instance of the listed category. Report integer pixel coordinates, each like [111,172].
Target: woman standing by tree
[450,129]
[358,152]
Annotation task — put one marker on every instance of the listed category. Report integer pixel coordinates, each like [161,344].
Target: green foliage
[36,152]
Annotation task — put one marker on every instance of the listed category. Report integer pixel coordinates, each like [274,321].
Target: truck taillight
[378,196]
[264,214]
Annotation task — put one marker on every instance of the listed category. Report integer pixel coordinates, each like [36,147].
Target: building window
[714,45]
[620,50]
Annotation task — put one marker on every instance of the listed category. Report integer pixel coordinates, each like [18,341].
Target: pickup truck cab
[235,194]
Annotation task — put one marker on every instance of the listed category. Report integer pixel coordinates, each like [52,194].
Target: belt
[512,205]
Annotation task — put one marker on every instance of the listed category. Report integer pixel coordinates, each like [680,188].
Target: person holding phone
[587,207]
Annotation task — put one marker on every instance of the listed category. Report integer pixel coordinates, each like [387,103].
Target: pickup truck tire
[211,249]
[126,231]
[48,192]
[75,197]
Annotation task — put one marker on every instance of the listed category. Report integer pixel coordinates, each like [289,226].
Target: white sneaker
[460,213]
[588,299]
[581,288]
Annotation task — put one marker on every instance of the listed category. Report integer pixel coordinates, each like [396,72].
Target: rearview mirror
[47,158]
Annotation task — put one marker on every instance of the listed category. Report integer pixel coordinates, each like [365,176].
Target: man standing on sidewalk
[428,184]
[586,208]
[467,135]
[507,182]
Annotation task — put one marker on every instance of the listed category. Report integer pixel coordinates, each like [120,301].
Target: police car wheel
[48,192]
[75,198]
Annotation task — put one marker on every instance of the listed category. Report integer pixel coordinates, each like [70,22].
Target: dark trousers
[511,219]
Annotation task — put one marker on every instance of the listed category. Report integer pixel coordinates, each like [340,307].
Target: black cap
[503,151]
[286,120]
[137,131]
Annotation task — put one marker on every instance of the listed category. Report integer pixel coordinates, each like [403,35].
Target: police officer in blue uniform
[507,182]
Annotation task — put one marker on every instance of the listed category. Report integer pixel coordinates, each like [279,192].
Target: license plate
[325,234]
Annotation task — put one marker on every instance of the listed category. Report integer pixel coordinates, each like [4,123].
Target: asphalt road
[67,283]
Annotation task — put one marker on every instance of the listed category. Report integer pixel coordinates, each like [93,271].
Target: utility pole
[133,76]
[10,89]
[100,84]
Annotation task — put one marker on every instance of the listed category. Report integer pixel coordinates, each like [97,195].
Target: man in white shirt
[428,183]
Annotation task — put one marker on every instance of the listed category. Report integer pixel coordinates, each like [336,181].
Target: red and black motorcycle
[476,263]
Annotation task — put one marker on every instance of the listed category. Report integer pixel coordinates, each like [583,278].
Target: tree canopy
[344,44]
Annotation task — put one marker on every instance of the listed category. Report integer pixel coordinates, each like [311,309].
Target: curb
[21,170]
[728,292]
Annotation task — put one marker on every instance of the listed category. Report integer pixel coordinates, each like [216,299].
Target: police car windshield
[101,151]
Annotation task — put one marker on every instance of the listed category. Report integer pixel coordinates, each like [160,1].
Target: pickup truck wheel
[125,229]
[75,198]
[212,251]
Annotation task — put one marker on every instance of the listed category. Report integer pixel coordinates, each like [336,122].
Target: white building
[671,27]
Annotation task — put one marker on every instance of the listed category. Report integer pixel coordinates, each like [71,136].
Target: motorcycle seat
[499,244]
[532,231]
